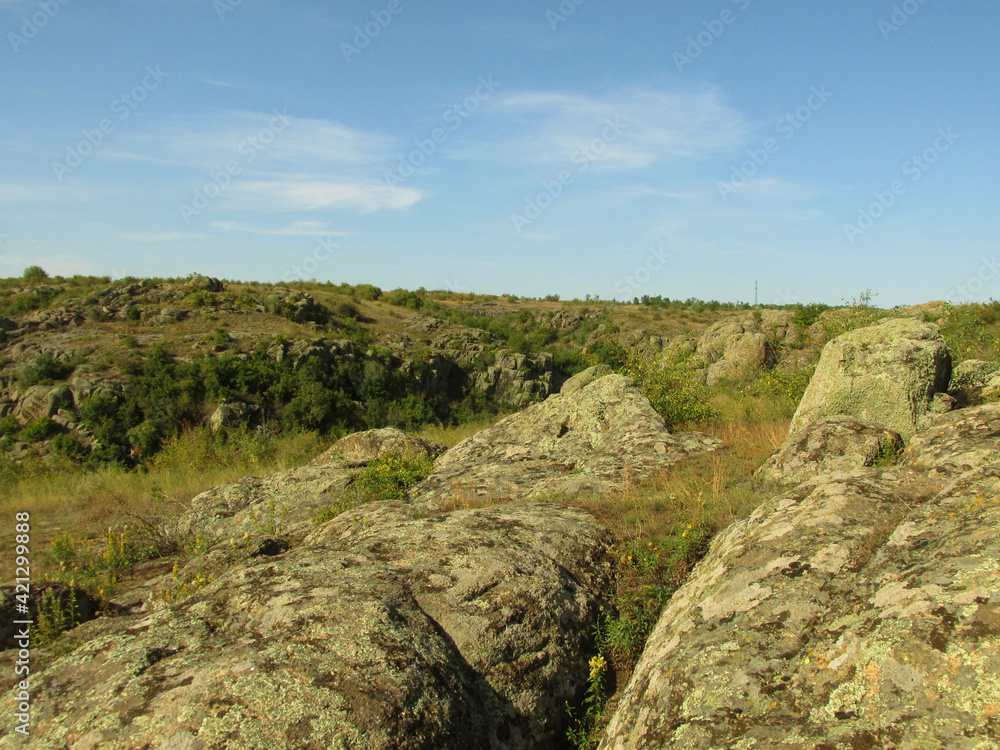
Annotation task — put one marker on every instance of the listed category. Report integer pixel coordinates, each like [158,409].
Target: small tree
[34,275]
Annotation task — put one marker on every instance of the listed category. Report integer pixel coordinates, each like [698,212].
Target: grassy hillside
[107,389]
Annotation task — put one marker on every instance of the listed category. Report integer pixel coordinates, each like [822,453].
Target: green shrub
[972,331]
[200,298]
[97,409]
[404,298]
[34,275]
[367,291]
[40,429]
[9,426]
[45,370]
[347,310]
[385,479]
[70,447]
[389,477]
[673,387]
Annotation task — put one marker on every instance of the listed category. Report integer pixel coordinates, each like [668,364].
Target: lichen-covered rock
[282,504]
[831,444]
[363,448]
[42,401]
[974,381]
[458,631]
[205,283]
[168,316]
[517,379]
[585,441]
[585,378]
[861,609]
[234,414]
[887,374]
[746,340]
[957,442]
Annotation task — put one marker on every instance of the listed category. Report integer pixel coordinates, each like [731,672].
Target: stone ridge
[588,440]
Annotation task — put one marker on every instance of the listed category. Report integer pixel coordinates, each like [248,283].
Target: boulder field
[859,607]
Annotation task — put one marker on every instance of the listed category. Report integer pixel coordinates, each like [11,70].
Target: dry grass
[452,436]
[84,503]
[664,526]
[709,491]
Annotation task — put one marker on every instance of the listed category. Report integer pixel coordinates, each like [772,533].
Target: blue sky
[583,147]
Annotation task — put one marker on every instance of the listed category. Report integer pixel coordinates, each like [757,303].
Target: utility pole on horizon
[755,292]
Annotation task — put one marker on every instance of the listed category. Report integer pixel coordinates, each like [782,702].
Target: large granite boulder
[832,444]
[957,442]
[887,374]
[464,630]
[860,609]
[363,448]
[583,441]
[743,343]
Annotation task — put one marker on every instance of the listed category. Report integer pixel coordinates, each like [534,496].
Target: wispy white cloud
[282,163]
[553,126]
[252,138]
[295,229]
[304,193]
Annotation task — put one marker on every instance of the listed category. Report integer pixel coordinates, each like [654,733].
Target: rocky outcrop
[743,343]
[585,441]
[41,401]
[974,381]
[205,283]
[363,448]
[231,414]
[585,378]
[832,444]
[517,379]
[167,316]
[858,610]
[957,442]
[887,374]
[462,630]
